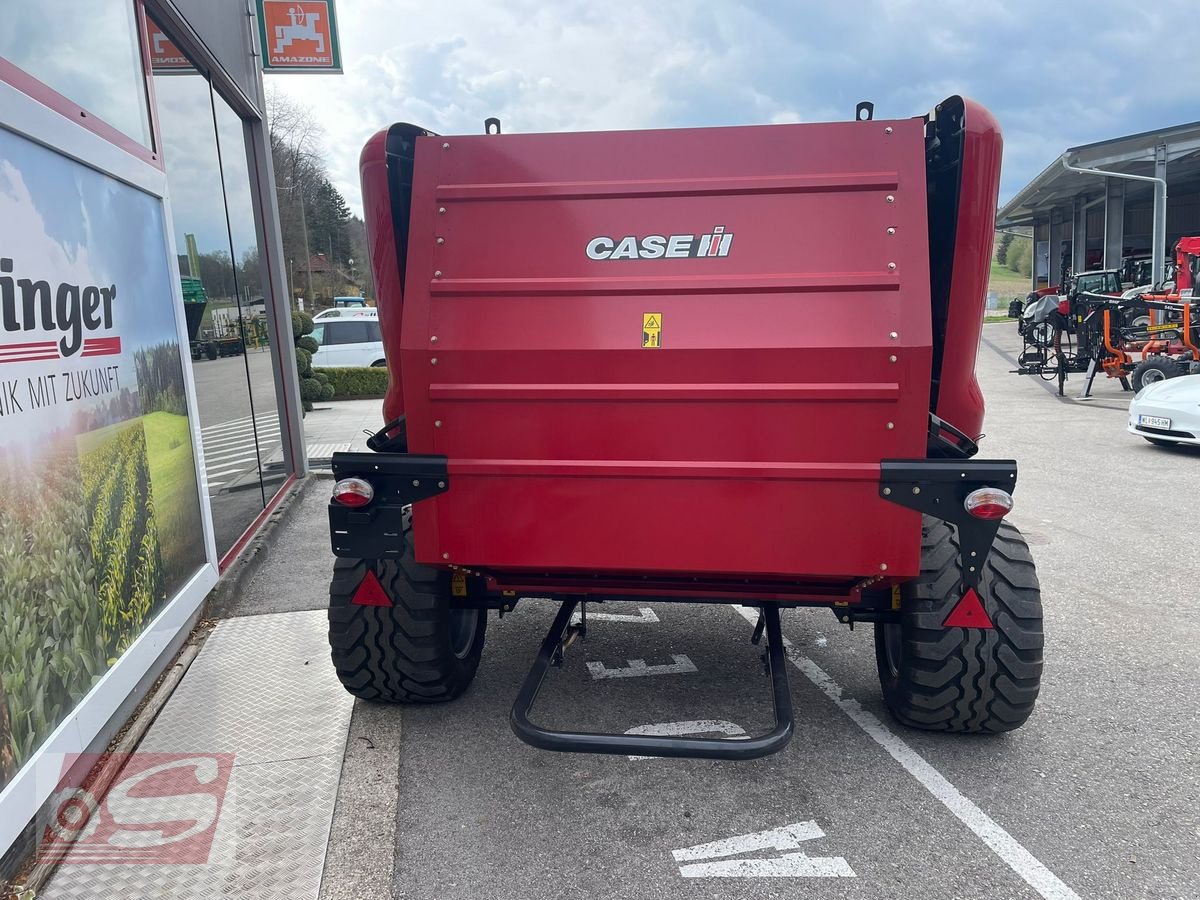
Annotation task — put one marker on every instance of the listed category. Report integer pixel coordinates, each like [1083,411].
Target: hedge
[351,383]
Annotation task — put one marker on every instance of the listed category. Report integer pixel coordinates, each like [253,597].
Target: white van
[347,312]
[348,342]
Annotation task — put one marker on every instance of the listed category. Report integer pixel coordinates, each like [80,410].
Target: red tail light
[353,492]
[989,503]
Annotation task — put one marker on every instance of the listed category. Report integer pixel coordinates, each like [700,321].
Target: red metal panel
[960,401]
[381,244]
[749,442]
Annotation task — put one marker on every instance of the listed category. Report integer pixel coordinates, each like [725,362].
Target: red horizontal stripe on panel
[40,345]
[673,187]
[666,469]
[101,342]
[38,358]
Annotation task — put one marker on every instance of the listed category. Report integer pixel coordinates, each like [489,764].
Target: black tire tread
[401,653]
[960,679]
[1169,367]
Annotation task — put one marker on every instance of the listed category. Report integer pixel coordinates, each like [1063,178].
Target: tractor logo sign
[299,35]
[658,246]
[165,56]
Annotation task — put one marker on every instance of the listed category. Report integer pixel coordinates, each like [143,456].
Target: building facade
[1099,204]
[150,417]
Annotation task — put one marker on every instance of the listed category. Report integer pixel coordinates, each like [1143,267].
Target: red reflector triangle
[370,592]
[968,613]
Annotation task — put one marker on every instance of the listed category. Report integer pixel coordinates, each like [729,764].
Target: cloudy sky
[1056,74]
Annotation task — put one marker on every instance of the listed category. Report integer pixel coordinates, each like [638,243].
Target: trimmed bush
[303,362]
[308,343]
[356,383]
[310,390]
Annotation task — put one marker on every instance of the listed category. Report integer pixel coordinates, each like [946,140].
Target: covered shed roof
[1132,154]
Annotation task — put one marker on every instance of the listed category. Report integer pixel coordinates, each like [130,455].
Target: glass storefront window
[244,249]
[212,210]
[88,52]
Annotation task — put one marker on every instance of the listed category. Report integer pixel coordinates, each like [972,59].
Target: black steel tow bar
[652,745]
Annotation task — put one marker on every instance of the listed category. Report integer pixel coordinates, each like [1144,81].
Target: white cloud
[1055,74]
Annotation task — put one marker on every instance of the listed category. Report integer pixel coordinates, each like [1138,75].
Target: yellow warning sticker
[652,330]
[458,584]
[895,596]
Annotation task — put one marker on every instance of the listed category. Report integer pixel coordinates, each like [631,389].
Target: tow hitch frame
[550,654]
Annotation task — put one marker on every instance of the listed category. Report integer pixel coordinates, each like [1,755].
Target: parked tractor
[730,365]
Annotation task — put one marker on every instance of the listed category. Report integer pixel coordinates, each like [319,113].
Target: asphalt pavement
[1097,796]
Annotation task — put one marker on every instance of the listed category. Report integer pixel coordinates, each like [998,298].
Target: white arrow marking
[638,667]
[645,614]
[695,726]
[790,865]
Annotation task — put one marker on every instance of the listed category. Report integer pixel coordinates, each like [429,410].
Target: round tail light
[989,503]
[353,492]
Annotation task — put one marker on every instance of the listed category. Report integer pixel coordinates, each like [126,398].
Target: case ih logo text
[27,305]
[656,246]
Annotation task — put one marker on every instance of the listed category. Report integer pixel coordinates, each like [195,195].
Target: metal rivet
[887,491]
[437,423]
[441,210]
[433,339]
[962,474]
[437,273]
[893,335]
[447,146]
[883,567]
[445,556]
[888,130]
[891,359]
[891,265]
[970,568]
[433,362]
[891,231]
[441,240]
[891,425]
[916,490]
[416,482]
[441,484]
[973,553]
[891,199]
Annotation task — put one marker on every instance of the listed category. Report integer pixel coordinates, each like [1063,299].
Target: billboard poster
[299,36]
[100,516]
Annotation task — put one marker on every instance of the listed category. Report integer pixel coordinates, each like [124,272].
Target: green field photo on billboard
[100,518]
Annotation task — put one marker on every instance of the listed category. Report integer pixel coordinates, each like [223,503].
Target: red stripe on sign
[41,345]
[102,342]
[40,358]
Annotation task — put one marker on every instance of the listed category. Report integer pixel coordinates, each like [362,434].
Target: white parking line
[1003,844]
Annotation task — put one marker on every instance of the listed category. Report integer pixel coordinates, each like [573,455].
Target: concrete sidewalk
[340,425]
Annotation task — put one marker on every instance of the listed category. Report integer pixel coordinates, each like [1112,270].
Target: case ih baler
[704,365]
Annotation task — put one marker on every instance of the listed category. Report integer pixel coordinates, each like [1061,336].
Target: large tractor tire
[967,680]
[420,649]
[1154,369]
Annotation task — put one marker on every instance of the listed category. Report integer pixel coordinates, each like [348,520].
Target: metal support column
[1159,249]
[1078,235]
[1159,180]
[1114,223]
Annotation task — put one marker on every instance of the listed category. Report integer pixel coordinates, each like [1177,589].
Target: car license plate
[1154,421]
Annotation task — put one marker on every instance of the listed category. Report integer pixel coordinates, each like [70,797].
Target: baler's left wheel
[941,678]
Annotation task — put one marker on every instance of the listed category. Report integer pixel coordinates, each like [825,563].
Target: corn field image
[81,570]
[101,523]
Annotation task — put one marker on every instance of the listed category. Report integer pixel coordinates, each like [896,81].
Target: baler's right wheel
[942,678]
